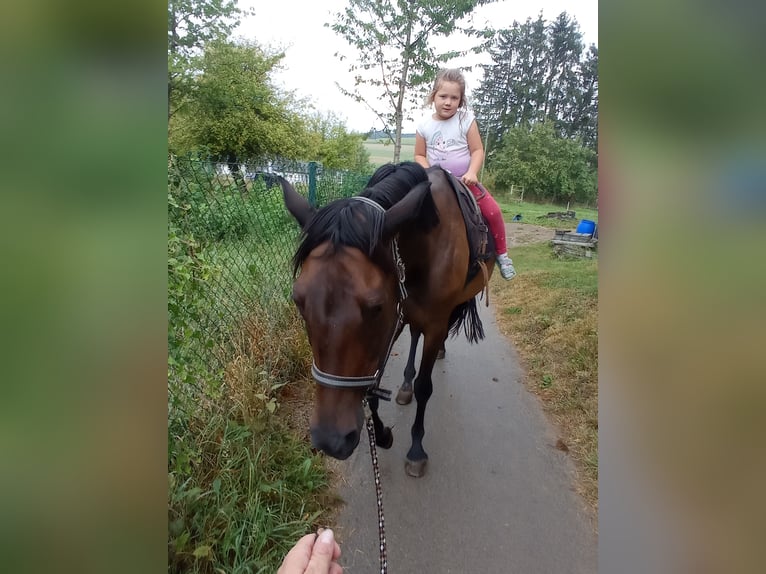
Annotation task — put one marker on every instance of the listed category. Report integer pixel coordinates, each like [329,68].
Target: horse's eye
[372,309]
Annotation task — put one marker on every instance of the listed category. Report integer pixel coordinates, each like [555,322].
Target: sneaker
[505,264]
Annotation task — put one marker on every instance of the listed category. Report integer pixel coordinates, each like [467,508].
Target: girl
[449,137]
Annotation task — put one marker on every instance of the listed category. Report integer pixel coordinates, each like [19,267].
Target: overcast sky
[311,69]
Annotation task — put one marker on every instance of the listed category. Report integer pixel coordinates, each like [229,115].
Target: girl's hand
[470,178]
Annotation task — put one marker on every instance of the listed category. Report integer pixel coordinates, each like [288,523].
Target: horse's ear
[407,209]
[296,204]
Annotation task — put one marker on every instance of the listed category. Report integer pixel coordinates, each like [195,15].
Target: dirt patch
[526,233]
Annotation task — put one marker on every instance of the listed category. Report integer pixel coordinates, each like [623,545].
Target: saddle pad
[480,244]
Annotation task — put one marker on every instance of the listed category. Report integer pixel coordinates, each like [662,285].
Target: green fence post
[313,183]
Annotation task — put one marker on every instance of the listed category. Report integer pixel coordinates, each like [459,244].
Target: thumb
[321,554]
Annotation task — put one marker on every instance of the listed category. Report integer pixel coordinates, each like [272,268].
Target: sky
[311,70]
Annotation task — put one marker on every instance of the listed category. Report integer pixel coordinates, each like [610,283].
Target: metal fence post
[313,183]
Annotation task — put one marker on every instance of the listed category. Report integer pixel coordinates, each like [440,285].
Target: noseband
[370,383]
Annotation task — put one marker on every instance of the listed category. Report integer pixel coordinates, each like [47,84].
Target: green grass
[243,486]
[578,276]
[251,495]
[382,151]
[532,212]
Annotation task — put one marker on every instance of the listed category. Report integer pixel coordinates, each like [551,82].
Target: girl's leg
[491,212]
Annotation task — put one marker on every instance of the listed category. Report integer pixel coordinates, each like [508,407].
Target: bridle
[371,383]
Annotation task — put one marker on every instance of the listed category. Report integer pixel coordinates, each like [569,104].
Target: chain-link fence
[231,242]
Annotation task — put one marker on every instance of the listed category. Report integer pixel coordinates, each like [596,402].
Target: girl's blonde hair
[449,75]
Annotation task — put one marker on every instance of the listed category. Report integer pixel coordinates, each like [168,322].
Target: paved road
[497,497]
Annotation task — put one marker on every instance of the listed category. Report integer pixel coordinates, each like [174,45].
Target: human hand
[470,178]
[313,554]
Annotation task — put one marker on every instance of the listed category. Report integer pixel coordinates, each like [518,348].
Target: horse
[396,254]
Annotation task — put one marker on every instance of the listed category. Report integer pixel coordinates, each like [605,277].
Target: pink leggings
[491,211]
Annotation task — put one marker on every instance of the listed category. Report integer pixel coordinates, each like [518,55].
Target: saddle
[480,244]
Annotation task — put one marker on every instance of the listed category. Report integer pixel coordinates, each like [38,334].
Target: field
[536,212]
[382,150]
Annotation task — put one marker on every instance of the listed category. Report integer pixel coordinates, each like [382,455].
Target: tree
[512,91]
[191,25]
[547,166]
[561,83]
[235,113]
[538,73]
[393,54]
[585,121]
[331,144]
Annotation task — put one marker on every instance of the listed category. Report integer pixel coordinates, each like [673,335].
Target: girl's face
[447,100]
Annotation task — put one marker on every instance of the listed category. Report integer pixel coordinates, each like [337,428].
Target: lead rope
[378,491]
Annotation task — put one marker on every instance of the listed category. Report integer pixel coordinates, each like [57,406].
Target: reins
[378,490]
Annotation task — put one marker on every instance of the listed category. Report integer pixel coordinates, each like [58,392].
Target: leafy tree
[191,25]
[512,91]
[331,144]
[538,73]
[547,166]
[585,120]
[565,48]
[235,113]
[393,54]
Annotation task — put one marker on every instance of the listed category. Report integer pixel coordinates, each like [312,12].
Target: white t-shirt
[447,141]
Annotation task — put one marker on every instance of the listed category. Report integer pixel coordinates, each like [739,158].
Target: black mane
[360,225]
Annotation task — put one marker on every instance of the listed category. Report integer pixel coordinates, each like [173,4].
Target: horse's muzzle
[334,443]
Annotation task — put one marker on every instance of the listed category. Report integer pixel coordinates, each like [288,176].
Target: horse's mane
[360,225]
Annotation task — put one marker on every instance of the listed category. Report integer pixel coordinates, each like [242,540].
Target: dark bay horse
[395,254]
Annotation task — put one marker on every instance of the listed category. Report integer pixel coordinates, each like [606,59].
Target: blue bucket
[586,226]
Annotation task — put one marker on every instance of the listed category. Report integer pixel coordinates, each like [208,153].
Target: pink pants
[491,211]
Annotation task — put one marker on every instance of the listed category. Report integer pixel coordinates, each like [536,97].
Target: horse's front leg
[384,438]
[415,465]
[404,396]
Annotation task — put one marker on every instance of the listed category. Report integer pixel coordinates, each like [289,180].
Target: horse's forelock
[342,222]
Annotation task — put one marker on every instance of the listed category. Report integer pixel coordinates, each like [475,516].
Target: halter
[370,383]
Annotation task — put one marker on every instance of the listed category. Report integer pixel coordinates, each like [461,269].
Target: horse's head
[347,293]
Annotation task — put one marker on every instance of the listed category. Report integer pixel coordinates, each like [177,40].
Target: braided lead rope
[378,494]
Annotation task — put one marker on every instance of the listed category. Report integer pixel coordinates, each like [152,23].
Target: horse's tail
[466,316]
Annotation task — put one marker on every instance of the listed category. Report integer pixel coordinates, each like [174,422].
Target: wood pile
[571,244]
[563,215]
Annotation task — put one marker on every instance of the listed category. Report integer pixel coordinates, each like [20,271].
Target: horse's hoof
[440,353]
[386,439]
[403,397]
[415,468]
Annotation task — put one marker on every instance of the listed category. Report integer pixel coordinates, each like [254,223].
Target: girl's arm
[476,149]
[420,150]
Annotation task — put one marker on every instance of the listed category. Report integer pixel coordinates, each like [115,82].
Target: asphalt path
[497,497]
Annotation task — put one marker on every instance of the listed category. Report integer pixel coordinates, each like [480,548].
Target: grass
[532,212]
[243,486]
[550,312]
[382,151]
